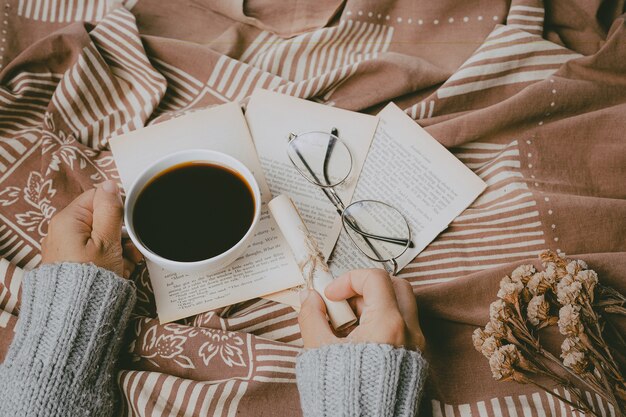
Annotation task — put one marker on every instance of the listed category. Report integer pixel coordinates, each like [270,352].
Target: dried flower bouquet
[566,293]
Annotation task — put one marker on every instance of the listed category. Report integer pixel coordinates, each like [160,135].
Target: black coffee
[193,211]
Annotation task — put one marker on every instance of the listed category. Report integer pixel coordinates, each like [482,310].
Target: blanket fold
[530,96]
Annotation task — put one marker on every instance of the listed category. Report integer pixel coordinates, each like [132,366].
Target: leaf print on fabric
[181,329]
[184,362]
[226,344]
[37,191]
[69,155]
[9,196]
[166,346]
[35,221]
[38,194]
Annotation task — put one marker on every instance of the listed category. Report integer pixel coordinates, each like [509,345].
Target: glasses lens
[321,157]
[377,229]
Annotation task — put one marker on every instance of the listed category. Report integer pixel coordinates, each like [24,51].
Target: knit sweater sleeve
[67,338]
[360,380]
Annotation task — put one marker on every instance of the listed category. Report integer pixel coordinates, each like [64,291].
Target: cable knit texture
[68,336]
[69,333]
[360,380]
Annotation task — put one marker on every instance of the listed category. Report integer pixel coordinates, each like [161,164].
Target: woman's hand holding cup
[88,230]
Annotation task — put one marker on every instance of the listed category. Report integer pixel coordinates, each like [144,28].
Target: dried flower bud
[574,267]
[551,257]
[510,289]
[496,328]
[490,346]
[538,310]
[498,311]
[568,291]
[502,362]
[589,279]
[550,272]
[541,282]
[545,257]
[572,344]
[577,361]
[569,320]
[522,273]
[478,337]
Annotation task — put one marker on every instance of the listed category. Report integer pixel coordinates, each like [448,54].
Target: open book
[430,187]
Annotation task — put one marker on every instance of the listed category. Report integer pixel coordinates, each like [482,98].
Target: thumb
[107,212]
[314,325]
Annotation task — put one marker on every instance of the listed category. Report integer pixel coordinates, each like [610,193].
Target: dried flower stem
[594,386]
[617,334]
[527,337]
[611,360]
[586,409]
[608,387]
[603,362]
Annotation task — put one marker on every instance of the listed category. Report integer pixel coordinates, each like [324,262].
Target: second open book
[394,161]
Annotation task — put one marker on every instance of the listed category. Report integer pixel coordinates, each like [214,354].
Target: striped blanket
[529,96]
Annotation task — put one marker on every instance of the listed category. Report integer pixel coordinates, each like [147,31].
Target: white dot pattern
[537,184]
[412,19]
[3,41]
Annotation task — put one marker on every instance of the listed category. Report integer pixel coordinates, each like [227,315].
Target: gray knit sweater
[69,333]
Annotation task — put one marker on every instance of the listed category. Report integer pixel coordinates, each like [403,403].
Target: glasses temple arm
[329,151]
[396,241]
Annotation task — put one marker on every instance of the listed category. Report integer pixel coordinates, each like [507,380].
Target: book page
[266,267]
[271,118]
[409,170]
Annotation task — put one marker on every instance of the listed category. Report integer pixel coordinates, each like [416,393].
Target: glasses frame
[390,264]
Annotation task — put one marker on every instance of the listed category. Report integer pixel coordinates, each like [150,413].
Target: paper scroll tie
[309,259]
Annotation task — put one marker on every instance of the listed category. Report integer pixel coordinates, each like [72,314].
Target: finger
[409,311]
[76,218]
[373,284]
[85,200]
[356,303]
[314,325]
[406,302]
[129,268]
[107,212]
[81,205]
[131,252]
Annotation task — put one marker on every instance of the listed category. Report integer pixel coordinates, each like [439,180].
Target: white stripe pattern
[61,11]
[500,226]
[309,65]
[23,102]
[504,59]
[525,17]
[117,60]
[540,404]
[422,108]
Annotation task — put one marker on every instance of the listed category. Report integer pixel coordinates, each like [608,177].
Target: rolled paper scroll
[309,259]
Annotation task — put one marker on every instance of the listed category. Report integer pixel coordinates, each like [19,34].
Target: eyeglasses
[377,229]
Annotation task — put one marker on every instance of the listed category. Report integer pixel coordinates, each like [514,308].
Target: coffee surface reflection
[193,211]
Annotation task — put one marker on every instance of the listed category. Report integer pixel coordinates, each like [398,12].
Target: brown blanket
[531,97]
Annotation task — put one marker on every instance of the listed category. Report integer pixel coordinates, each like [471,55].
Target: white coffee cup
[208,265]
